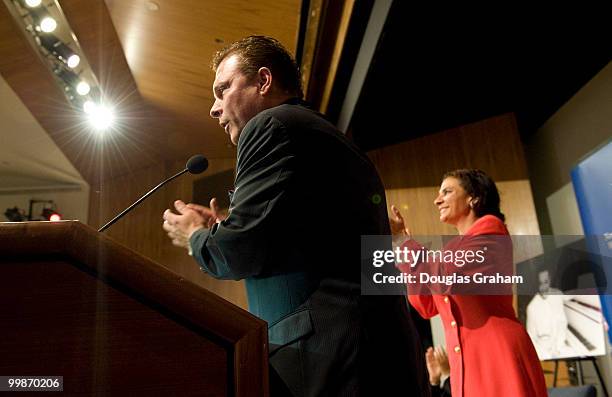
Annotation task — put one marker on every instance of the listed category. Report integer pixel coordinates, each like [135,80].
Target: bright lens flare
[100,117]
[88,107]
[33,3]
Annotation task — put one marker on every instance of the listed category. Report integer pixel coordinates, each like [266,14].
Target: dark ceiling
[432,72]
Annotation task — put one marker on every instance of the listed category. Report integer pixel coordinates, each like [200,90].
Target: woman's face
[453,202]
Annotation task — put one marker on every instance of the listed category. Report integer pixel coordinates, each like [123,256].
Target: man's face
[544,279]
[237,98]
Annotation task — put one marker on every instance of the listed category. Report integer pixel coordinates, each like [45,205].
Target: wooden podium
[75,303]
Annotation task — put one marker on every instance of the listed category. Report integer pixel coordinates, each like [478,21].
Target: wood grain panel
[64,317]
[315,11]
[343,25]
[326,34]
[124,288]
[492,145]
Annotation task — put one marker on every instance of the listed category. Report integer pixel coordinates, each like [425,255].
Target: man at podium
[303,196]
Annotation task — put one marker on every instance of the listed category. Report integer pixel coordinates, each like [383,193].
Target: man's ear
[264,79]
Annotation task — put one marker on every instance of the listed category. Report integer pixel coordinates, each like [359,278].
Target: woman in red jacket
[489,351]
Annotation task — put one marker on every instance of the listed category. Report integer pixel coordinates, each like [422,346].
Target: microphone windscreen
[197,164]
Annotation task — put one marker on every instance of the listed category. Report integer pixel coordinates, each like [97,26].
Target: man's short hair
[255,52]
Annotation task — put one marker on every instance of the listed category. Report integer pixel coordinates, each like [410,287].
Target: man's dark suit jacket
[303,196]
[444,391]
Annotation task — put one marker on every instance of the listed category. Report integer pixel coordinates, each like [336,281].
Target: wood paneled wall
[141,229]
[493,145]
[412,171]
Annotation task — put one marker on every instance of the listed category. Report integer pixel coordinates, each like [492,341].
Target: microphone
[195,165]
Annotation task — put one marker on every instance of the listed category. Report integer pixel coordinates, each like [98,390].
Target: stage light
[55,47]
[33,3]
[83,88]
[50,215]
[73,61]
[73,82]
[42,19]
[48,24]
[52,38]
[100,117]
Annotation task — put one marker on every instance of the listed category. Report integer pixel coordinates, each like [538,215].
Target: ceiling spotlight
[101,117]
[55,46]
[33,3]
[83,88]
[48,24]
[73,61]
[41,17]
[72,81]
